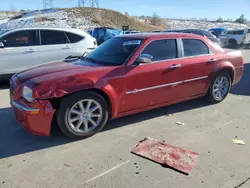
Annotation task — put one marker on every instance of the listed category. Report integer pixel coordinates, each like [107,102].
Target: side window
[162,49]
[209,35]
[194,47]
[52,37]
[248,31]
[74,38]
[20,39]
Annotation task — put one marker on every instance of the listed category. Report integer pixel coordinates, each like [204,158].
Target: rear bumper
[36,119]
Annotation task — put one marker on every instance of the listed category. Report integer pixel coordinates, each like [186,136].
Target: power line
[47,4]
[92,3]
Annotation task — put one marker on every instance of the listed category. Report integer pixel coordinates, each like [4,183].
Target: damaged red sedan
[125,75]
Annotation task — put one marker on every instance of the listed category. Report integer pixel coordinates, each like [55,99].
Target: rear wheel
[233,43]
[82,114]
[220,87]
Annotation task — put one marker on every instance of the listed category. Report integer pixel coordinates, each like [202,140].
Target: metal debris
[166,154]
[179,123]
[239,142]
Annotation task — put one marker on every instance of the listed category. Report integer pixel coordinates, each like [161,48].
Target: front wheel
[219,87]
[82,114]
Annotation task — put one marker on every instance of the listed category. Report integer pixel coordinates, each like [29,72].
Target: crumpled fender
[62,87]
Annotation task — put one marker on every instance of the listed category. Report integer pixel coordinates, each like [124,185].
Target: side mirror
[144,59]
[1,45]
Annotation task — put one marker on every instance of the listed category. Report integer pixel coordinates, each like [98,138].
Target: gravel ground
[104,160]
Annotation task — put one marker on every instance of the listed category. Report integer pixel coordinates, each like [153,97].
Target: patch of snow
[188,24]
[60,19]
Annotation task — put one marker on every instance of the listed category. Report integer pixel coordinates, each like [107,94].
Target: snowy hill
[86,18]
[82,18]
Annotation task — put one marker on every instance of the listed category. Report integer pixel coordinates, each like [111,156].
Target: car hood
[62,71]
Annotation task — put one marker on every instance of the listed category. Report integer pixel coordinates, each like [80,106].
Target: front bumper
[36,117]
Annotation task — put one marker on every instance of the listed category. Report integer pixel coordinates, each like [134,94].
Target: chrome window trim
[177,45]
[165,85]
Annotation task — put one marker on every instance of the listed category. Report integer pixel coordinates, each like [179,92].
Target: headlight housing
[27,94]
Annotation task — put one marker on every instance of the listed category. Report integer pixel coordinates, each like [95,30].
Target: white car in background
[235,38]
[27,47]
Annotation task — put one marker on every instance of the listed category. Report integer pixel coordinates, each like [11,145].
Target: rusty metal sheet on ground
[166,154]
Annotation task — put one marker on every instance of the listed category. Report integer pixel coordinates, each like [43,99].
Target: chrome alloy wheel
[85,116]
[220,87]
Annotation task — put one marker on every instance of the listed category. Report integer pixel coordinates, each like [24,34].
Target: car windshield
[114,51]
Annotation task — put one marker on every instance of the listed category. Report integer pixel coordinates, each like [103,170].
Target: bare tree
[241,19]
[155,20]
[220,19]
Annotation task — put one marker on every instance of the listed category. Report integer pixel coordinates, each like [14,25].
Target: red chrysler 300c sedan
[125,75]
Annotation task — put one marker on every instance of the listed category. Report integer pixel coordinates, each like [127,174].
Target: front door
[153,83]
[19,52]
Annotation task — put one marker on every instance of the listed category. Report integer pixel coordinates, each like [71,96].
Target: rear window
[197,32]
[52,37]
[74,38]
[194,47]
[238,32]
[208,34]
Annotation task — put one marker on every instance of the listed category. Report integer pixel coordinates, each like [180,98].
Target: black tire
[68,102]
[233,43]
[210,94]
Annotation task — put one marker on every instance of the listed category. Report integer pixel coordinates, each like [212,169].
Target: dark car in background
[218,31]
[200,32]
[102,34]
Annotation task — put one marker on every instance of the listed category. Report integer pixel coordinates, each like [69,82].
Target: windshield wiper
[83,56]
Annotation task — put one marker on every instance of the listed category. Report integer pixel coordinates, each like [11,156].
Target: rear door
[197,64]
[55,46]
[20,51]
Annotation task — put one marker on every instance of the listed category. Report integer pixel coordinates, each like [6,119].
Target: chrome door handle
[175,66]
[212,60]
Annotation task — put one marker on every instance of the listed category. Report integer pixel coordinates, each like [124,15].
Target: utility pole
[81,3]
[47,4]
[92,3]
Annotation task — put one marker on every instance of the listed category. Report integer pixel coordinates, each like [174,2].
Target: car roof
[71,30]
[159,35]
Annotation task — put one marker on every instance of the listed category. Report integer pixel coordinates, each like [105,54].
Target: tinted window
[73,38]
[208,34]
[197,32]
[193,47]
[248,31]
[52,37]
[20,38]
[162,49]
[238,32]
[114,51]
